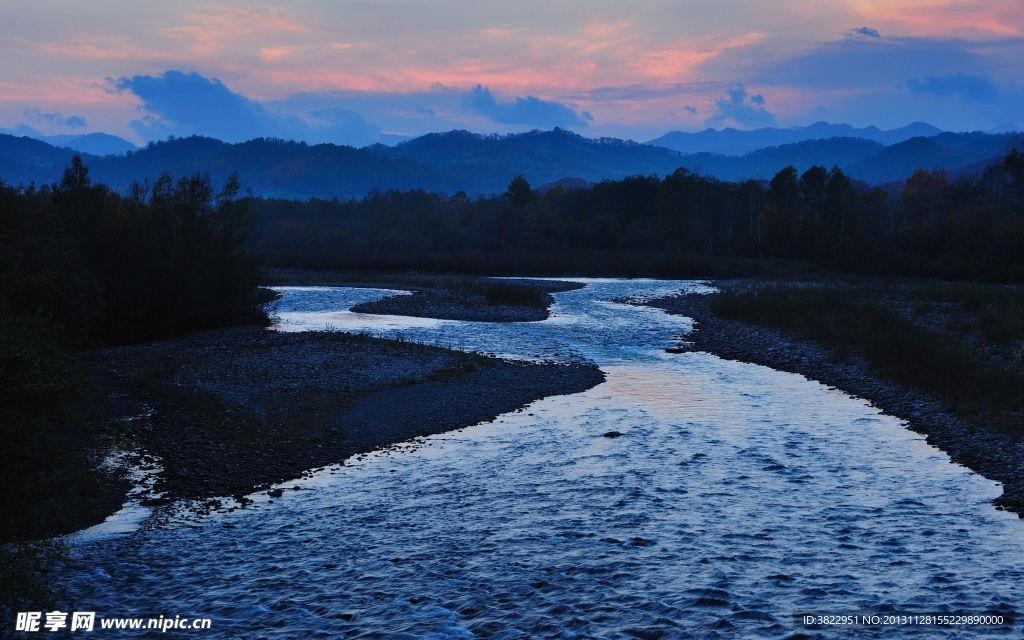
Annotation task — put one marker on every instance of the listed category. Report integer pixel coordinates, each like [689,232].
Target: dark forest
[686,225]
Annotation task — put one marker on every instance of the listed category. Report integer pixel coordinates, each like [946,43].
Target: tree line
[80,266]
[102,267]
[934,224]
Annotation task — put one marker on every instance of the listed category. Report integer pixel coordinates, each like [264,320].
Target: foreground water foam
[737,497]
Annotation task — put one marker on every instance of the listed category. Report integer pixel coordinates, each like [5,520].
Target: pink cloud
[931,18]
[226,31]
[102,48]
[549,50]
[678,63]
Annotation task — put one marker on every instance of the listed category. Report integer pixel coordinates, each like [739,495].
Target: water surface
[737,497]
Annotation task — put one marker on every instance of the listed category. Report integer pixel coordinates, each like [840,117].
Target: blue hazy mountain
[268,167]
[1006,127]
[950,151]
[482,164]
[24,160]
[276,168]
[765,163]
[735,142]
[489,162]
[97,144]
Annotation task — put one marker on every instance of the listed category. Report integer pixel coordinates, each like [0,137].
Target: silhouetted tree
[519,193]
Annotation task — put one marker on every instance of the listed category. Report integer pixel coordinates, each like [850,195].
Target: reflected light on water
[736,497]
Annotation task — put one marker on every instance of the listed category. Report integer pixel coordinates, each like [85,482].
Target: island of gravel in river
[235,410]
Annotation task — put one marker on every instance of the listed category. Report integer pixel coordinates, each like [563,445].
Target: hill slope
[24,160]
[276,168]
[945,151]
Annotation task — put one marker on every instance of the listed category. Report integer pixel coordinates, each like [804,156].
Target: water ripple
[737,497]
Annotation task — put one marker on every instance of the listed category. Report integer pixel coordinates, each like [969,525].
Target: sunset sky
[347,72]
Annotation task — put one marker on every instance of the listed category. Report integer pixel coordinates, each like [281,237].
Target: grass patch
[959,343]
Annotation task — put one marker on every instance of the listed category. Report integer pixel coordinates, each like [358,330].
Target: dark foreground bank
[231,411]
[996,455]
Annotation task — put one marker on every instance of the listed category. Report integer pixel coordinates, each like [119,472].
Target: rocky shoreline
[993,455]
[232,411]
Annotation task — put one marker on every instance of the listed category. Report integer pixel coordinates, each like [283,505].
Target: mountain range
[862,159]
[97,144]
[481,164]
[735,142]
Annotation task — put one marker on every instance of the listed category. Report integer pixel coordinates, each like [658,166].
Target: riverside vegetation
[473,300]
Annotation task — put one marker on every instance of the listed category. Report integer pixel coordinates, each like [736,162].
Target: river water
[736,498]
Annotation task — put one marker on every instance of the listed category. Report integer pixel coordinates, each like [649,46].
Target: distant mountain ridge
[277,168]
[735,142]
[24,160]
[861,159]
[484,164]
[765,163]
[950,151]
[97,144]
[268,167]
[489,162]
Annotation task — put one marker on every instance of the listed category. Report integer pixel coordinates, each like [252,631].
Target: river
[737,498]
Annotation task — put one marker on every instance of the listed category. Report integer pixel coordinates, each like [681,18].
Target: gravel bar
[453,303]
[231,411]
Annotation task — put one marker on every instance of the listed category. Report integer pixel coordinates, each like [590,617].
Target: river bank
[735,496]
[231,411]
[994,455]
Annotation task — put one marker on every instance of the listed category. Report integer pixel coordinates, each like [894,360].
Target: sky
[358,72]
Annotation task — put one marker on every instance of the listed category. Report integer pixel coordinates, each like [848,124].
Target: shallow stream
[736,498]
